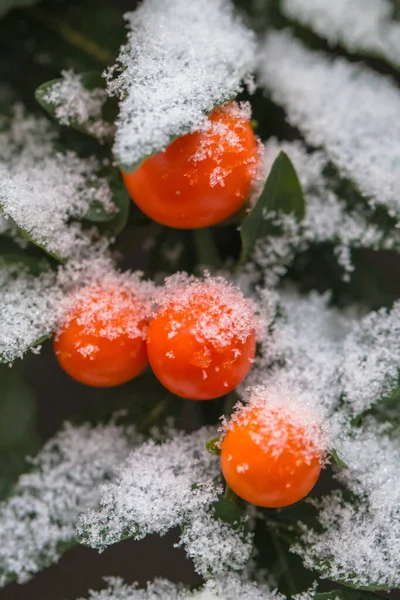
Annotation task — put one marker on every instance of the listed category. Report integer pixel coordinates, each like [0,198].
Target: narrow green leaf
[336,460]
[347,595]
[282,193]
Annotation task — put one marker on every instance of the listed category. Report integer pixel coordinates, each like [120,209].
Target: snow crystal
[181,59]
[76,104]
[160,487]
[223,314]
[32,306]
[268,406]
[230,587]
[39,518]
[360,540]
[27,309]
[372,359]
[41,189]
[364,26]
[118,303]
[327,218]
[353,113]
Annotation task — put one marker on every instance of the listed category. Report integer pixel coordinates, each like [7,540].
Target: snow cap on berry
[222,312]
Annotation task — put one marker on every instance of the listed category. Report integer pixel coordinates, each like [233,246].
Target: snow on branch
[37,522]
[363,26]
[181,59]
[41,189]
[164,486]
[230,587]
[351,112]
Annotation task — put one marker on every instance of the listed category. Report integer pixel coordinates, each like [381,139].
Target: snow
[33,306]
[75,104]
[360,541]
[348,110]
[327,219]
[39,517]
[181,59]
[41,189]
[163,486]
[361,26]
[223,314]
[231,587]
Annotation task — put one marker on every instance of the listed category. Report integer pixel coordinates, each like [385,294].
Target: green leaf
[347,595]
[112,226]
[90,81]
[212,446]
[282,193]
[18,437]
[337,461]
[228,512]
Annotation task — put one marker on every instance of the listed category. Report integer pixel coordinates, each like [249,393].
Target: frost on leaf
[230,587]
[42,189]
[163,486]
[327,218]
[358,541]
[351,112]
[361,26]
[76,104]
[27,309]
[181,59]
[37,522]
[371,362]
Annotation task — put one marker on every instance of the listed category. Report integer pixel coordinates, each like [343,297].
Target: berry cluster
[197,335]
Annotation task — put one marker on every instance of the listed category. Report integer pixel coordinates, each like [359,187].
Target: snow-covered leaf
[80,101]
[282,193]
[181,60]
[37,521]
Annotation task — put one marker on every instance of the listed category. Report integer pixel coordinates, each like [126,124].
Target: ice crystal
[231,587]
[350,111]
[76,104]
[42,189]
[163,486]
[181,59]
[38,520]
[359,541]
[363,26]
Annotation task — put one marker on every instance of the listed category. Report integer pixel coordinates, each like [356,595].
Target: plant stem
[206,250]
[155,413]
[70,35]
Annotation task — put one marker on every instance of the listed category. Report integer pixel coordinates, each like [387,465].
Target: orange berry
[102,341]
[269,457]
[201,342]
[201,178]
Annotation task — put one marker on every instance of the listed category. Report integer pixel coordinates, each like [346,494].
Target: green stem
[206,250]
[70,35]
[155,413]
[230,495]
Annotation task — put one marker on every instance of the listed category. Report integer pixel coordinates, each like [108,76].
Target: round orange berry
[201,342]
[269,458]
[102,342]
[201,178]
